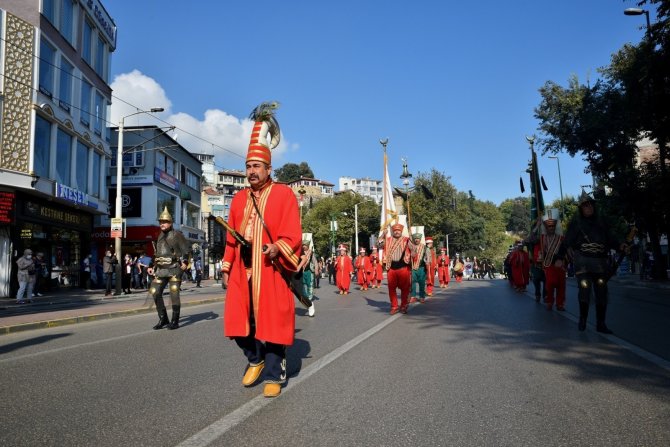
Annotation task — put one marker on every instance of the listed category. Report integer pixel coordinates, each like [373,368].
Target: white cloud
[225,135]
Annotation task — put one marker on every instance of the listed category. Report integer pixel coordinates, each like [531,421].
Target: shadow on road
[31,342]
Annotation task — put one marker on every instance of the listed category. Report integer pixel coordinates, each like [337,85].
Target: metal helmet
[165,215]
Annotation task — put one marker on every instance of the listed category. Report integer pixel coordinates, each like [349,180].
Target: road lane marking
[217,429]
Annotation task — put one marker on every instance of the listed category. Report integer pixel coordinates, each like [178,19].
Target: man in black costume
[171,248]
[589,240]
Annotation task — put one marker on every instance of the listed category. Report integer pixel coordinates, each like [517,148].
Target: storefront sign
[57,216]
[71,194]
[131,201]
[26,233]
[166,179]
[7,207]
[102,17]
[135,180]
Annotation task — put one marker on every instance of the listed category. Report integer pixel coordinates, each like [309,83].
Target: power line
[110,124]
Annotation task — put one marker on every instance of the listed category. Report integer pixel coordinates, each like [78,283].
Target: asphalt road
[477,365]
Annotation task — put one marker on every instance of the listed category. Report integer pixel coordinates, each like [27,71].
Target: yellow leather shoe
[252,374]
[272,390]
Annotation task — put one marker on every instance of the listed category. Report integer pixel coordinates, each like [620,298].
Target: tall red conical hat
[264,124]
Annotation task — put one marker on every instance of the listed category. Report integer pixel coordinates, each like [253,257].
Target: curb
[4,330]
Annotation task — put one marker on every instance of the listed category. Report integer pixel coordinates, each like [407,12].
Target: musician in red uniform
[443,268]
[552,257]
[259,307]
[431,266]
[377,270]
[397,259]
[363,269]
[343,269]
[520,263]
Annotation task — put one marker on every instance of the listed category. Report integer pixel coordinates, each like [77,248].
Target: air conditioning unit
[126,170]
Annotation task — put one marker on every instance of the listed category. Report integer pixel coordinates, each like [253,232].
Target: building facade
[55,58]
[366,187]
[157,173]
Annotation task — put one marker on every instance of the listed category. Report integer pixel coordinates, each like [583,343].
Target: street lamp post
[449,234]
[119,202]
[405,176]
[639,12]
[560,182]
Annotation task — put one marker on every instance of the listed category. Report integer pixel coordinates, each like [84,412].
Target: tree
[291,172]
[516,215]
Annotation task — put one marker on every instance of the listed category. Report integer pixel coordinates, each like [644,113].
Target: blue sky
[451,84]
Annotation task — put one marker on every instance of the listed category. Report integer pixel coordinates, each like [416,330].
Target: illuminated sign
[7,206]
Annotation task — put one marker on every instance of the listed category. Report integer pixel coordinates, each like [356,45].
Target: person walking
[41,273]
[126,273]
[588,241]
[419,267]
[306,269]
[26,276]
[198,271]
[344,267]
[171,249]
[397,259]
[431,266]
[86,272]
[259,307]
[443,268]
[363,269]
[377,269]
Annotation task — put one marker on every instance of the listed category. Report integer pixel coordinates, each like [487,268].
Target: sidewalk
[70,306]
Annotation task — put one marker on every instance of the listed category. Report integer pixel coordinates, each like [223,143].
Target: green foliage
[291,172]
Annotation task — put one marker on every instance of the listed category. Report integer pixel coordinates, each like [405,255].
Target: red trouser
[443,275]
[401,278]
[555,280]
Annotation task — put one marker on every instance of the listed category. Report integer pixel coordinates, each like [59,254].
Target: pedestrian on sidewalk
[198,271]
[126,273]
[108,264]
[589,240]
[41,275]
[26,276]
[86,272]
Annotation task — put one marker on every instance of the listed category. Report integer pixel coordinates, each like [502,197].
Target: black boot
[163,319]
[175,317]
[583,315]
[601,311]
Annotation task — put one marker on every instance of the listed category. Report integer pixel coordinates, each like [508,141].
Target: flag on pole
[536,199]
[389,214]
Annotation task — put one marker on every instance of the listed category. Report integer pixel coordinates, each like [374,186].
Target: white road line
[217,429]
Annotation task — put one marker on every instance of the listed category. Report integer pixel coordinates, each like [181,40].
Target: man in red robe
[552,256]
[377,270]
[431,266]
[363,269]
[397,259]
[344,267]
[520,263]
[443,268]
[259,307]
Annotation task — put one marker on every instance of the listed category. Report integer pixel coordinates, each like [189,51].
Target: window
[165,199]
[66,78]
[42,147]
[87,48]
[100,54]
[99,102]
[170,166]
[85,103]
[95,177]
[49,10]
[81,174]
[108,129]
[67,20]
[192,180]
[63,157]
[47,62]
[191,215]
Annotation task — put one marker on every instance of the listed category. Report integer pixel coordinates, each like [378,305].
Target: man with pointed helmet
[257,264]
[588,241]
[171,249]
